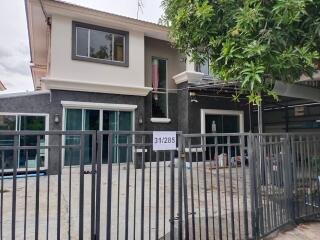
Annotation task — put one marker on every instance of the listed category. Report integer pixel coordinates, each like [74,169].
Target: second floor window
[159,85]
[97,44]
[203,67]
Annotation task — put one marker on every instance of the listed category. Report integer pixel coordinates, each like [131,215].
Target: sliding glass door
[97,119]
[222,124]
[116,121]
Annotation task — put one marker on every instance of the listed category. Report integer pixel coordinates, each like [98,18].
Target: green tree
[253,42]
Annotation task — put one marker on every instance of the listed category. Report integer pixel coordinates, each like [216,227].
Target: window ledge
[160,120]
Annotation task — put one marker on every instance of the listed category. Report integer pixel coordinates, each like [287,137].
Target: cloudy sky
[14,45]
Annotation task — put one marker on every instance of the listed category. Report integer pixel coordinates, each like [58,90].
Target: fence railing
[285,180]
[113,185]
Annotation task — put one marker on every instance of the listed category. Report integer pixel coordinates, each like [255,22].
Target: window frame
[17,116]
[166,92]
[125,34]
[101,107]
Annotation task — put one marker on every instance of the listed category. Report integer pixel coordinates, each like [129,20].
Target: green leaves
[253,42]
[252,75]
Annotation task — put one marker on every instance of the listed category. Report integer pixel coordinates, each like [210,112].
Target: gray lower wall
[214,103]
[184,114]
[50,103]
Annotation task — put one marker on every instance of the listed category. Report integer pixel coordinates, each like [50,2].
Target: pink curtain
[155,77]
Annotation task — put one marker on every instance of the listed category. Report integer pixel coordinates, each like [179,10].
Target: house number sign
[164,140]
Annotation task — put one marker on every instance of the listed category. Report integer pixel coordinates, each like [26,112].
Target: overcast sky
[14,45]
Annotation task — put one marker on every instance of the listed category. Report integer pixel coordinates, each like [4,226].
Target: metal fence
[113,185]
[285,178]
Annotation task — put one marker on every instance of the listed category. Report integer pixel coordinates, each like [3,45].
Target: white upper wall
[62,67]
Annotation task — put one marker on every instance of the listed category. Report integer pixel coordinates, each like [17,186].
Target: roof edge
[72,6]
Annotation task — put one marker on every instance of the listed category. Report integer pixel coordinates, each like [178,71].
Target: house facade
[84,61]
[94,70]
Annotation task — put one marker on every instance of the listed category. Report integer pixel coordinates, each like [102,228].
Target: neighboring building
[2,87]
[94,70]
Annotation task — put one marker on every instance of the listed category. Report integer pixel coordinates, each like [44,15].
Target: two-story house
[94,70]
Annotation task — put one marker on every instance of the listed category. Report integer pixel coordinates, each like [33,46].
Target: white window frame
[94,106]
[46,139]
[167,118]
[205,112]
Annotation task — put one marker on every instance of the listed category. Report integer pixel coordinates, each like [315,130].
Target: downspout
[48,21]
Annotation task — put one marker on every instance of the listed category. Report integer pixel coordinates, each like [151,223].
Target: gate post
[180,185]
[289,175]
[253,188]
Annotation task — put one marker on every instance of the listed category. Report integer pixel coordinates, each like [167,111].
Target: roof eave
[55,7]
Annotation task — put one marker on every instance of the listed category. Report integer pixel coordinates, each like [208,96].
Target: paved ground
[306,231]
[70,202]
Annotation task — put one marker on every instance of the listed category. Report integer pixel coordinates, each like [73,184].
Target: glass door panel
[221,124]
[7,123]
[73,122]
[125,124]
[91,122]
[116,121]
[31,123]
[110,123]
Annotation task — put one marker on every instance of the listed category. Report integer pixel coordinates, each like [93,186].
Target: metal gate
[139,194]
[285,178]
[113,185]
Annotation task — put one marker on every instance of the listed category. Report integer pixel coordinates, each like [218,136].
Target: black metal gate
[113,185]
[285,177]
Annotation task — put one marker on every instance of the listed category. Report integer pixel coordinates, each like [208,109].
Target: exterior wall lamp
[140,119]
[56,118]
[193,98]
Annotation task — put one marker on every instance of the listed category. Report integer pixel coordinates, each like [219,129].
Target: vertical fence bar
[59,185]
[236,154]
[157,197]
[218,186]
[150,182]
[185,191]
[231,187]
[254,200]
[142,187]
[205,186]
[294,176]
[310,197]
[198,195]
[48,194]
[93,185]
[37,189]
[135,191]
[109,187]
[180,185]
[244,186]
[225,191]
[14,187]
[127,188]
[98,186]
[119,181]
[25,198]
[211,190]
[81,190]
[172,195]
[70,193]
[191,190]
[2,189]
